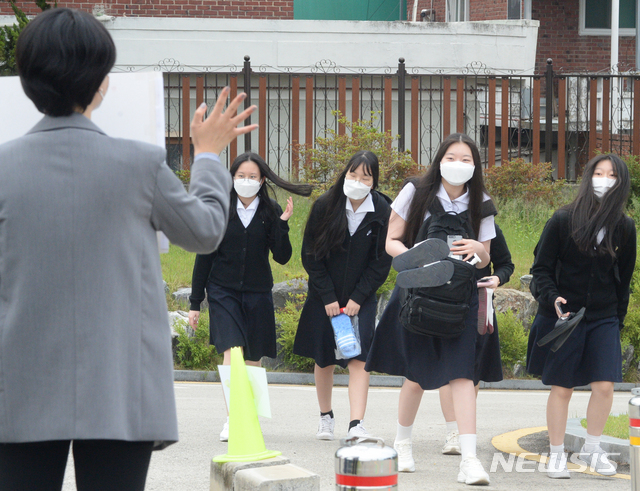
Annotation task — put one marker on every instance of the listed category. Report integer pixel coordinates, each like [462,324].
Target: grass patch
[616,426]
[293,269]
[522,224]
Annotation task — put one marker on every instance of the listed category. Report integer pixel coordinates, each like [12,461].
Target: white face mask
[246,188]
[355,189]
[456,173]
[601,185]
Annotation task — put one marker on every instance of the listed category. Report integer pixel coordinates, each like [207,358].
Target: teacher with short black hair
[85,344]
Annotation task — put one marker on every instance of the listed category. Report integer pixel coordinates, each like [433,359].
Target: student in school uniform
[344,253]
[237,276]
[454,180]
[488,366]
[585,258]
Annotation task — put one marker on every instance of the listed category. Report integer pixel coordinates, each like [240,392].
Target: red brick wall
[488,9]
[559,40]
[228,9]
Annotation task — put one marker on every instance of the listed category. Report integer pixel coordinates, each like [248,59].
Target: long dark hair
[266,188]
[590,214]
[427,188]
[332,224]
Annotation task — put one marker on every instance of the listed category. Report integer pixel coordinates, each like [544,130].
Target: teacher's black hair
[63,56]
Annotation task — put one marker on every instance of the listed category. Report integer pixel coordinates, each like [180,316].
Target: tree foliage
[332,152]
[9,37]
[529,182]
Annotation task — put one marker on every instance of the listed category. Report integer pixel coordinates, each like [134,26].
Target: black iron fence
[556,117]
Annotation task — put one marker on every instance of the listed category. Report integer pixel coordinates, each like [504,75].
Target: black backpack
[441,311]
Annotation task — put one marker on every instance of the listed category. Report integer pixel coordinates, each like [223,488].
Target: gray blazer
[85,346]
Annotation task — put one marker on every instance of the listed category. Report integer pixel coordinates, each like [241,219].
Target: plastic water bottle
[346,340]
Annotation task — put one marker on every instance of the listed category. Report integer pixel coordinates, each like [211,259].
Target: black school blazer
[241,262]
[583,281]
[362,264]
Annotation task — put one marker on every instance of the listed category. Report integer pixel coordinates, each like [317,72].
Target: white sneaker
[224,434]
[452,444]
[557,466]
[405,456]
[325,428]
[472,472]
[358,431]
[598,461]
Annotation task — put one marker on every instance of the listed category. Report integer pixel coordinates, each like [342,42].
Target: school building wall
[227,9]
[559,39]
[558,36]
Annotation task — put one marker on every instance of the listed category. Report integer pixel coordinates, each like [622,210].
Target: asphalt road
[185,466]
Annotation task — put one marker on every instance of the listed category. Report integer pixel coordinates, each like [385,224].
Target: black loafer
[425,252]
[429,275]
[562,330]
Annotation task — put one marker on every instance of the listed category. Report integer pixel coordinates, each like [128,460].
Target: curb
[575,436]
[376,381]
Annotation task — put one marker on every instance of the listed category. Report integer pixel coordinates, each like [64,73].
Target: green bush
[286,328]
[630,334]
[331,153]
[513,339]
[633,163]
[196,353]
[520,180]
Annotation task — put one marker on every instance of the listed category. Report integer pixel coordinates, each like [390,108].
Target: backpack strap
[488,209]
[436,207]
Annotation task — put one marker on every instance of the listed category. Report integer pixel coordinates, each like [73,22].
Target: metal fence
[554,117]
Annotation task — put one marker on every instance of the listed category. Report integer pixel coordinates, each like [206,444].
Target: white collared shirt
[403,201]
[354,218]
[246,214]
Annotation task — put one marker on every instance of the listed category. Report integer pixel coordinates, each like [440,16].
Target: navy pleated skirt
[591,354]
[314,338]
[488,360]
[429,361]
[242,319]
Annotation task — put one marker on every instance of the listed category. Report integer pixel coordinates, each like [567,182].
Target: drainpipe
[615,24]
[637,36]
[527,9]
[414,14]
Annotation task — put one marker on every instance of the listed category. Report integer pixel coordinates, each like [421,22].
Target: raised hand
[220,128]
[288,211]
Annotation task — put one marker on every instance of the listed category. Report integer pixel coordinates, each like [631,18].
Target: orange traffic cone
[246,443]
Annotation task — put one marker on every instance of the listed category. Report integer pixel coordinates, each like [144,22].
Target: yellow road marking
[508,443]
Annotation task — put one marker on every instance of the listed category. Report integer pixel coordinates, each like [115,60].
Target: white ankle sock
[591,443]
[556,449]
[468,445]
[557,459]
[403,432]
[452,426]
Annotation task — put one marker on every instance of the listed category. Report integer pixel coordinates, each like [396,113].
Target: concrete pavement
[201,413]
